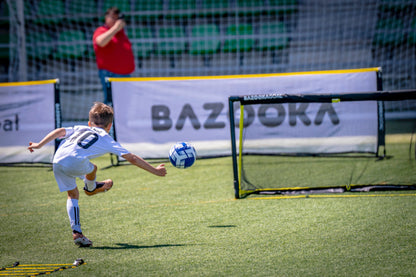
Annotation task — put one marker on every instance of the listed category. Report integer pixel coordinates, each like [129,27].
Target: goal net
[339,144]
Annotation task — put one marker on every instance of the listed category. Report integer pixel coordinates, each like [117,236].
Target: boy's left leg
[73,214]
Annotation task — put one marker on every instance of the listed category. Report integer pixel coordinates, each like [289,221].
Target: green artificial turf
[189,224]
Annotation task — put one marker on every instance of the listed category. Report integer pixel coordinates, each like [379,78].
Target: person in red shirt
[113,51]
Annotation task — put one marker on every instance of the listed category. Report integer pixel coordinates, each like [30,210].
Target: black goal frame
[275,98]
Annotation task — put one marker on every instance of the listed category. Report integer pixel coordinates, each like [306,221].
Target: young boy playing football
[72,159]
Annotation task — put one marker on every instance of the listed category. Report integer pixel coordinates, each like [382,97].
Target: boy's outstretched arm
[160,170]
[57,133]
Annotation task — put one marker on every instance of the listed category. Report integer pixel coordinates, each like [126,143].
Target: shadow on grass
[121,246]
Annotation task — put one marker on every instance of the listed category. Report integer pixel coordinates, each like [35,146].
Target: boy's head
[101,115]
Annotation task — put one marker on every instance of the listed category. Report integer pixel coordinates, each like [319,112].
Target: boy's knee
[94,170]
[73,194]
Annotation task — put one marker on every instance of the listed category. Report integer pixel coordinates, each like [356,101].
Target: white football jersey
[83,142]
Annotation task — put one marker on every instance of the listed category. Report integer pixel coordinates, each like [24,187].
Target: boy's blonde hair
[101,115]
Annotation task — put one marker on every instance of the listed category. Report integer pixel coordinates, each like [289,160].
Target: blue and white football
[182,155]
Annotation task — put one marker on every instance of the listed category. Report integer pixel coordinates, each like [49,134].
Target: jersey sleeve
[117,149]
[68,132]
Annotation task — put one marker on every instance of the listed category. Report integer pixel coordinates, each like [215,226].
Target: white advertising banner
[27,113]
[151,114]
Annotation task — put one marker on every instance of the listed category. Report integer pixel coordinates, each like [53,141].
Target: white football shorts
[66,174]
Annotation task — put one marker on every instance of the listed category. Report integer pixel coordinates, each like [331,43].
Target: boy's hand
[57,133]
[161,170]
[33,145]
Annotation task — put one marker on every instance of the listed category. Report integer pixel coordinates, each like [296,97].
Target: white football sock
[90,184]
[73,214]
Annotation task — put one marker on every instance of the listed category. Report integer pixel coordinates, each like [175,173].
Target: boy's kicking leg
[92,187]
[73,214]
